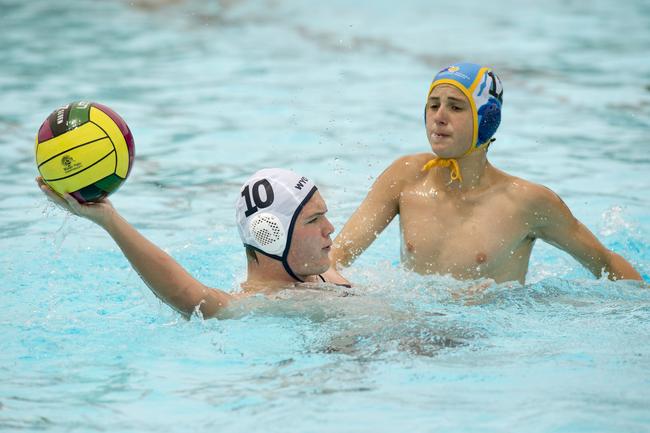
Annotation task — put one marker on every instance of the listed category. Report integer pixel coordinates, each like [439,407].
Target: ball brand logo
[69,164]
[60,114]
[453,68]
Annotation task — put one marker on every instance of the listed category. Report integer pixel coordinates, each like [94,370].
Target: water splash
[614,222]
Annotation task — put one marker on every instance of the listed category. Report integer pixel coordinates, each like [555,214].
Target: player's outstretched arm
[554,223]
[165,277]
[374,213]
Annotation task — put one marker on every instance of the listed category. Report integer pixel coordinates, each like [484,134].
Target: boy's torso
[482,234]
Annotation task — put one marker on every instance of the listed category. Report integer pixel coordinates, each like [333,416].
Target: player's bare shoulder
[398,175]
[408,168]
[532,198]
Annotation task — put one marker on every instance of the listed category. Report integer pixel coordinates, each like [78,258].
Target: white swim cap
[267,208]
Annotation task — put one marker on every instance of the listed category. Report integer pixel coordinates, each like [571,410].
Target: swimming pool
[214,91]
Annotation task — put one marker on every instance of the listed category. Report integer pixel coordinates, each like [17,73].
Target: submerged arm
[168,280]
[554,223]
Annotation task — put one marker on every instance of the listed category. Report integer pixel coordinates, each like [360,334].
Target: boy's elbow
[206,304]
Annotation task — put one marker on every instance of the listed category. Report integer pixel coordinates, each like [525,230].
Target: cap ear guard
[490,115]
[268,232]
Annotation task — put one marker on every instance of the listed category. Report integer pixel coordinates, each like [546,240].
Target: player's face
[449,121]
[310,241]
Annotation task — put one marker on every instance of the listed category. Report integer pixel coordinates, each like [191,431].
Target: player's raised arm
[554,223]
[165,277]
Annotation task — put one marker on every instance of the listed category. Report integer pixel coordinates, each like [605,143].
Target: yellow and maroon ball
[85,149]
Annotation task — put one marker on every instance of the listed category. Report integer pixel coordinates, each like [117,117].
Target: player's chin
[438,146]
[323,263]
[444,151]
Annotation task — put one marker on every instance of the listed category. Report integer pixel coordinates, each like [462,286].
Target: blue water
[215,90]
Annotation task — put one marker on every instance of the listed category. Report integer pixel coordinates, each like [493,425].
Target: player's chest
[483,229]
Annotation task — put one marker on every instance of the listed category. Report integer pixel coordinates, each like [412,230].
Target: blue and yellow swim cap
[484,91]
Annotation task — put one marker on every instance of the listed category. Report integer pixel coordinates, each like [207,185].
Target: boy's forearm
[163,275]
[340,255]
[620,269]
[346,250]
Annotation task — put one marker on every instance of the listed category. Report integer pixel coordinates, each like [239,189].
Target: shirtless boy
[282,223]
[459,215]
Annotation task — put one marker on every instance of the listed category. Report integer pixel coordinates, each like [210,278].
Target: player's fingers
[51,195]
[72,203]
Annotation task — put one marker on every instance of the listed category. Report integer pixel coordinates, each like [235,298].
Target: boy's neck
[472,170]
[269,275]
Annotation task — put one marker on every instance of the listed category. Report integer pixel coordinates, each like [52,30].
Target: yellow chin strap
[452,163]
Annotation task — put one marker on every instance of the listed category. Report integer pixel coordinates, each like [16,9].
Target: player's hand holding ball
[84,152]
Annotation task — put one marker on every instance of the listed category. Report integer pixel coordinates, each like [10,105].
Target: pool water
[212,92]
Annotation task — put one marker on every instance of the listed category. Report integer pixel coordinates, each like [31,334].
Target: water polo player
[459,215]
[280,215]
